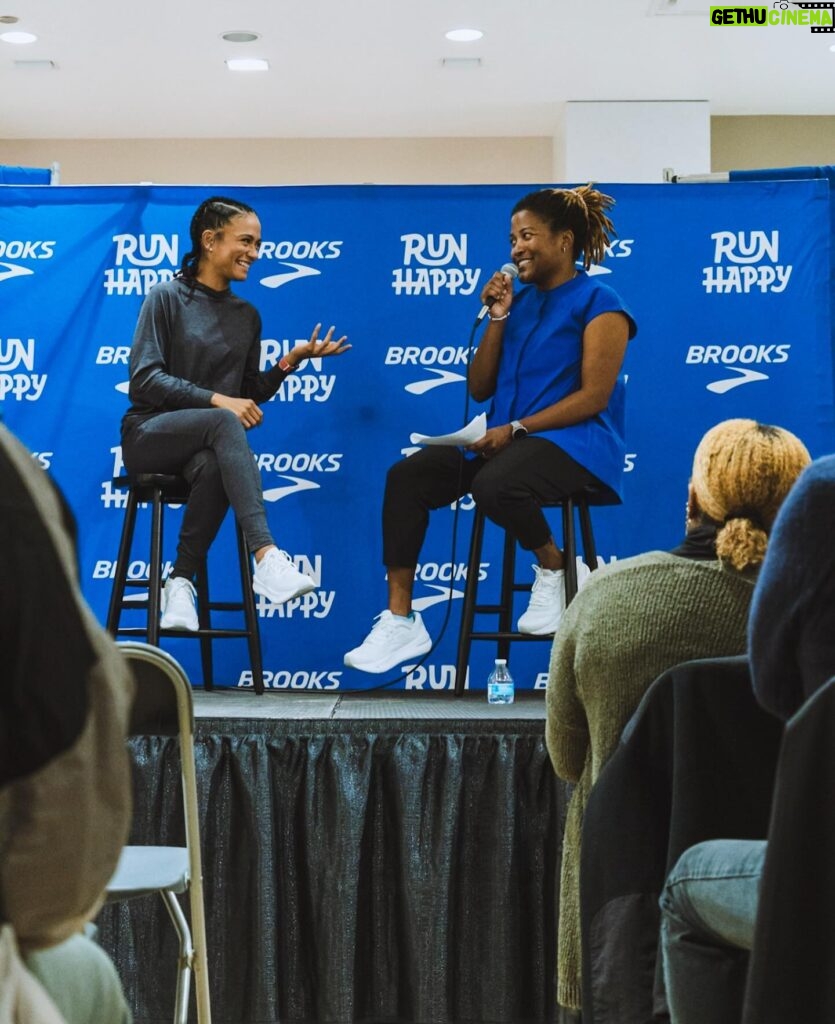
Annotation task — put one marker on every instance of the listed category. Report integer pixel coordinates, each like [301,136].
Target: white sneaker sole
[583,573]
[389,661]
[536,632]
[172,623]
[303,588]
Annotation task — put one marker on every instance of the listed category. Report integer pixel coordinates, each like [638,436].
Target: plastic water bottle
[500,684]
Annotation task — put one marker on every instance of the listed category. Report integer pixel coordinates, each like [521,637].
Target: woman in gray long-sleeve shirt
[196,388]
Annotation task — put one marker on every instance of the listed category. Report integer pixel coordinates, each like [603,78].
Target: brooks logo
[298,271]
[298,484]
[13,271]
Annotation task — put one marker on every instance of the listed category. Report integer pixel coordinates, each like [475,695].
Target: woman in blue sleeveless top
[550,361]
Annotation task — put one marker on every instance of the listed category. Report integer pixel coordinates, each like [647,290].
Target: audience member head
[742,471]
[582,211]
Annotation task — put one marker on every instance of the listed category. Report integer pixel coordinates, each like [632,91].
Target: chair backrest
[695,762]
[163,706]
[790,974]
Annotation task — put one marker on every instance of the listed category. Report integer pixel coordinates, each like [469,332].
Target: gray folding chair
[163,707]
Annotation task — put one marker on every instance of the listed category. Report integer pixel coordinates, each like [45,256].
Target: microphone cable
[453,545]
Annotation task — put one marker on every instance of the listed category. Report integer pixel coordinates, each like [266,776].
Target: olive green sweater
[631,621]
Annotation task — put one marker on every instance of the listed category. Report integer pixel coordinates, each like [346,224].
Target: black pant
[209,448]
[510,488]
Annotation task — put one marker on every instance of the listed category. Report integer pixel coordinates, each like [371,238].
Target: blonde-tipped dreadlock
[742,471]
[581,210]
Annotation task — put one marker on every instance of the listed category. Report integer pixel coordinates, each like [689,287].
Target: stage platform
[380,706]
[368,859]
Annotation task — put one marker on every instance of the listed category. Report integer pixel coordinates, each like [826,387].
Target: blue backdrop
[728,283]
[25,175]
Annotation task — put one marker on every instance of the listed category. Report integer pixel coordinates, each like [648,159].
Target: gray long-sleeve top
[191,342]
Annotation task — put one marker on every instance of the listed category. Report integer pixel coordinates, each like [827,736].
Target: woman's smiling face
[230,252]
[544,257]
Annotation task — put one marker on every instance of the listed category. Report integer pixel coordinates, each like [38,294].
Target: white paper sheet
[474,431]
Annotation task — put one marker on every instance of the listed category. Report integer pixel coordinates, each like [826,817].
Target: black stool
[161,490]
[580,503]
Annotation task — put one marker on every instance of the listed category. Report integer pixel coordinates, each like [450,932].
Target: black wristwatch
[517,430]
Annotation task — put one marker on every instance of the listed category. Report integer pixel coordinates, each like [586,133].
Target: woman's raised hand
[317,348]
[498,294]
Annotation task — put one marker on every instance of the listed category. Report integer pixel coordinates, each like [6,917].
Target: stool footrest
[212,606]
[142,631]
[496,635]
[216,632]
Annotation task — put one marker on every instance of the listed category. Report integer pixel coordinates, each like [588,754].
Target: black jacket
[791,974]
[696,762]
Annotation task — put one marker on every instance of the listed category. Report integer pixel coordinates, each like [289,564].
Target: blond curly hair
[742,471]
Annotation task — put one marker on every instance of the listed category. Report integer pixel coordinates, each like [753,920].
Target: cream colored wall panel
[288,161]
[746,143]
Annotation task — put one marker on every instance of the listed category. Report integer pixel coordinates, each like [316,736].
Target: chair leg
[250,612]
[468,608]
[205,622]
[589,547]
[155,568]
[506,598]
[569,550]
[178,919]
[505,634]
[117,594]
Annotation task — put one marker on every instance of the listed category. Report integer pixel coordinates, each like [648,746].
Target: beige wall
[287,161]
[737,143]
[745,143]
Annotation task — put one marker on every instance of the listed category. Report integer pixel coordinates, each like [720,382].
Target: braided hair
[211,215]
[581,210]
[742,471]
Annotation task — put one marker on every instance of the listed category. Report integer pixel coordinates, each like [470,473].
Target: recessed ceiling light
[8,19]
[34,65]
[240,37]
[832,48]
[18,37]
[462,63]
[247,64]
[464,35]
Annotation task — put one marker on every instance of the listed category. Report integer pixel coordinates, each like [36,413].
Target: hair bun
[742,471]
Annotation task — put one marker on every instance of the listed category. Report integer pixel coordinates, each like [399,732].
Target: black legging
[208,447]
[509,488]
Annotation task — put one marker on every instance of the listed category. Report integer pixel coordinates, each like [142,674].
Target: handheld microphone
[511,271]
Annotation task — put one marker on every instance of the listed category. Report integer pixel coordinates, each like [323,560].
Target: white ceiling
[371,68]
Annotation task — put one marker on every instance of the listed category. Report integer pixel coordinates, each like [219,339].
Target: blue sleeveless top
[541,362]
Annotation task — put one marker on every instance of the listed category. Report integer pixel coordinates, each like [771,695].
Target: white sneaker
[277,579]
[393,639]
[547,603]
[178,605]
